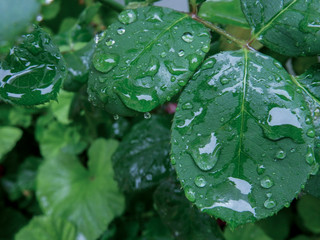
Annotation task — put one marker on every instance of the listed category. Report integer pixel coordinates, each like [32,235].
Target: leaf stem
[213,27]
[193,6]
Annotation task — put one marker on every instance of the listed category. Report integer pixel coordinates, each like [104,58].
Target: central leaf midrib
[242,109]
[265,27]
[157,38]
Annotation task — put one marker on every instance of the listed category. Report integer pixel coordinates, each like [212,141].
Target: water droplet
[224,81]
[147,115]
[163,54]
[269,203]
[102,79]
[205,49]
[104,62]
[281,154]
[200,181]
[261,169]
[181,53]
[190,194]
[277,64]
[287,204]
[311,133]
[121,31]
[173,160]
[310,156]
[308,120]
[266,182]
[187,37]
[128,16]
[209,63]
[187,106]
[116,117]
[194,61]
[182,82]
[205,151]
[110,42]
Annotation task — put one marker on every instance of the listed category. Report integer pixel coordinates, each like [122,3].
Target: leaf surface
[145,58]
[290,27]
[241,143]
[9,136]
[224,12]
[309,210]
[88,198]
[32,73]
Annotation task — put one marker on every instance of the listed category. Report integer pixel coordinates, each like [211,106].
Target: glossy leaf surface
[44,227]
[241,142]
[88,198]
[184,220]
[289,27]
[142,158]
[9,136]
[145,58]
[15,16]
[224,12]
[32,73]
[309,211]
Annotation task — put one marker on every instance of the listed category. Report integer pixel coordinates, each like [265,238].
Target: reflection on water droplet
[194,61]
[121,31]
[269,203]
[224,81]
[190,194]
[187,37]
[311,133]
[116,117]
[181,53]
[261,169]
[266,182]
[173,160]
[287,204]
[277,64]
[147,115]
[104,62]
[205,49]
[205,151]
[310,156]
[281,154]
[187,106]
[209,63]
[163,54]
[200,181]
[110,42]
[128,16]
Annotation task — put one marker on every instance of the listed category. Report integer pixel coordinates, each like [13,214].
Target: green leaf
[224,12]
[11,221]
[246,232]
[154,229]
[313,185]
[289,27]
[142,159]
[145,58]
[9,136]
[15,17]
[309,211]
[88,198]
[51,10]
[185,221]
[33,71]
[61,108]
[54,137]
[44,227]
[241,139]
[27,173]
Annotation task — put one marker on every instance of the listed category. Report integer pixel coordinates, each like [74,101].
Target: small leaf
[88,198]
[27,174]
[185,221]
[142,159]
[15,17]
[33,71]
[240,137]
[289,27]
[144,59]
[224,12]
[61,108]
[45,227]
[9,136]
[309,211]
[246,232]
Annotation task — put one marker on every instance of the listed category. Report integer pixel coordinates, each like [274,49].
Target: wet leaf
[33,71]
[9,136]
[15,17]
[309,211]
[289,27]
[184,220]
[224,12]
[88,198]
[142,159]
[145,58]
[246,232]
[241,139]
[45,227]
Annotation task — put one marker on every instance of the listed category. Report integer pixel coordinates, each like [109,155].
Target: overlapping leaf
[32,73]
[290,27]
[145,58]
[9,136]
[243,137]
